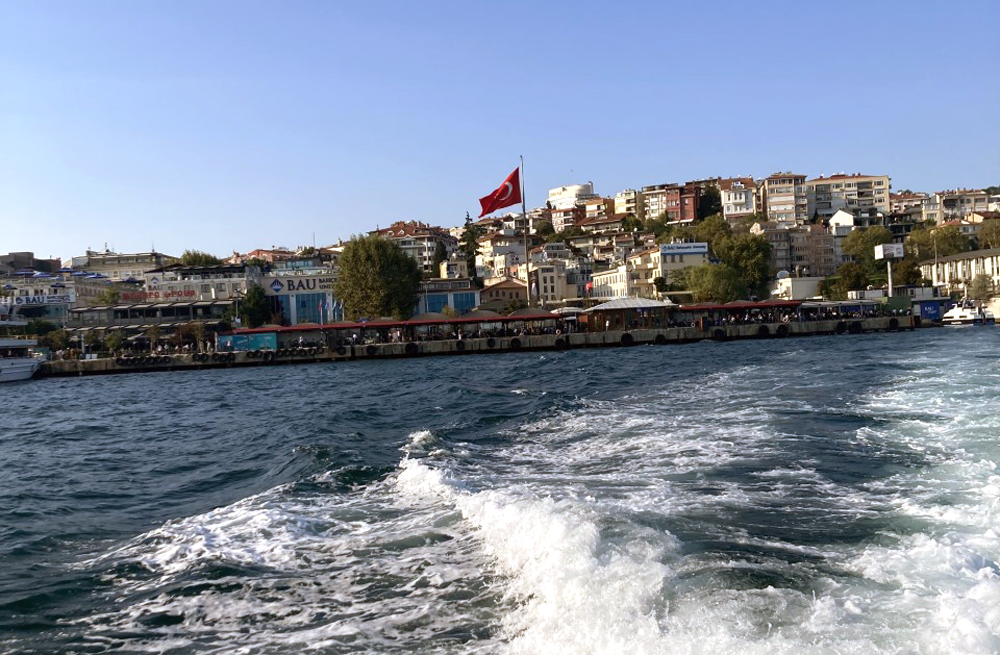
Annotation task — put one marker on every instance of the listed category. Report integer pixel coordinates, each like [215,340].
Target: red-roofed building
[739,198]
[420,241]
[864,196]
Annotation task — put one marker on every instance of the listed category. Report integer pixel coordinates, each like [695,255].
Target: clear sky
[224,125]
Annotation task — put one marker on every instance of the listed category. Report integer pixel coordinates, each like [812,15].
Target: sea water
[808,495]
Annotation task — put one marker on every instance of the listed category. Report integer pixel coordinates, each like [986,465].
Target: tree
[39,327]
[544,229]
[631,224]
[750,255]
[850,276]
[440,255]
[860,244]
[715,283]
[114,341]
[712,230]
[255,309]
[906,271]
[661,284]
[199,258]
[377,279]
[710,202]
[926,244]
[108,296]
[55,340]
[989,234]
[981,287]
[469,245]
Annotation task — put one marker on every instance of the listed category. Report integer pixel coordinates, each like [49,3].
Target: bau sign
[43,300]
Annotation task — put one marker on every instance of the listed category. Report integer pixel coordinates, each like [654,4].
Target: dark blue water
[804,495]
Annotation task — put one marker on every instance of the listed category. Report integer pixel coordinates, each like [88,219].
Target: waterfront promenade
[332,352]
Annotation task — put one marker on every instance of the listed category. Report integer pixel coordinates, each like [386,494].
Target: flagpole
[524,214]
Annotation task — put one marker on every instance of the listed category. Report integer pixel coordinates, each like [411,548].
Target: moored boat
[17,361]
[965,313]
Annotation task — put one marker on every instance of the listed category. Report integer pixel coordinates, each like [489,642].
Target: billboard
[889,251]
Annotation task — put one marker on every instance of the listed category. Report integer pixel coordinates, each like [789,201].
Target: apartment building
[548,281]
[955,273]
[420,241]
[739,198]
[864,196]
[122,266]
[567,204]
[631,202]
[676,202]
[961,202]
[783,198]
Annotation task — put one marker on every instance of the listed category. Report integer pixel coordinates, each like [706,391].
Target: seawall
[293,355]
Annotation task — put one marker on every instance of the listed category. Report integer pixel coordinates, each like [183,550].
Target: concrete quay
[539,342]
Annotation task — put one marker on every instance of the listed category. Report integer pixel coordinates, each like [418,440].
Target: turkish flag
[509,193]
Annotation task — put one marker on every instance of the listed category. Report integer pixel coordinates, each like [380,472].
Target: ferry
[17,362]
[965,313]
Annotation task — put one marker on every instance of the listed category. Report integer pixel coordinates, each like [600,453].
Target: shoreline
[472,346]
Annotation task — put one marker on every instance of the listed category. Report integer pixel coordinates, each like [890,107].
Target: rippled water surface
[820,495]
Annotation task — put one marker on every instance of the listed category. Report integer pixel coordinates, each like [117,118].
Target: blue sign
[930,310]
[276,286]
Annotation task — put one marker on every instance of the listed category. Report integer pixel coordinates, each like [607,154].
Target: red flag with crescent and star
[507,194]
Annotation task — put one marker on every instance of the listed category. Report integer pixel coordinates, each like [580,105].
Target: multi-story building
[420,241]
[636,276]
[676,203]
[195,283]
[121,266]
[548,282]
[605,224]
[955,273]
[21,261]
[903,202]
[571,195]
[435,294]
[961,202]
[631,202]
[783,198]
[864,196]
[739,198]
[495,296]
[598,208]
[804,249]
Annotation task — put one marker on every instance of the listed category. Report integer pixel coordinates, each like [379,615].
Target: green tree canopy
[713,230]
[926,244]
[906,271]
[440,255]
[710,202]
[860,244]
[750,255]
[631,224]
[255,310]
[989,234]
[715,283]
[469,244]
[544,228]
[199,258]
[981,287]
[849,277]
[377,279]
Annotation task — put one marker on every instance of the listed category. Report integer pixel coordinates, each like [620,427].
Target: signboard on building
[64,299]
[691,248]
[292,284]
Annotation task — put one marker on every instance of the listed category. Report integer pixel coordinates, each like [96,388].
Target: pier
[331,351]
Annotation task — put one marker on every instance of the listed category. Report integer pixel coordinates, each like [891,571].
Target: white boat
[965,313]
[17,361]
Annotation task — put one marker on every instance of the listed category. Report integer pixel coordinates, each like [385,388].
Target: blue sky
[232,125]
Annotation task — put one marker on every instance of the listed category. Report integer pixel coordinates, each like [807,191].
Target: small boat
[965,313]
[17,361]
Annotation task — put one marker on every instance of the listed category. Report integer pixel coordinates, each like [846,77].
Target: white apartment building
[739,198]
[122,266]
[783,198]
[571,195]
[548,281]
[956,272]
[612,283]
[864,196]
